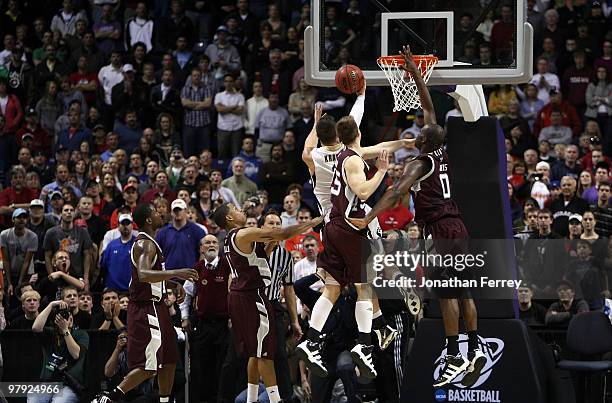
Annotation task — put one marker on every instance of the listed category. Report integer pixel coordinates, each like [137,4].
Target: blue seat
[589,334]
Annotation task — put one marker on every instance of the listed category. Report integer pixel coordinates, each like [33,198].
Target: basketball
[349,79]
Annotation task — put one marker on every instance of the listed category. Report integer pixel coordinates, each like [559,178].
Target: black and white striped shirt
[281,266]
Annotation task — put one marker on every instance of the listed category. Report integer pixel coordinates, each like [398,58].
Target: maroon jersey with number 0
[432,192]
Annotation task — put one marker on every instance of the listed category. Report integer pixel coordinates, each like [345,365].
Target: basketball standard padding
[479,188]
[349,79]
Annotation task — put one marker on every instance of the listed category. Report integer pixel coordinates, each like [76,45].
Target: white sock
[377,314]
[363,316]
[252,393]
[164,399]
[273,394]
[320,312]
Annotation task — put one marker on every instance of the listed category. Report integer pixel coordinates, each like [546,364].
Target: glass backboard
[476,41]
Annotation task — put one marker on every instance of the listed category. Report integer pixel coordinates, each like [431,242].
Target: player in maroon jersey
[438,215]
[250,311]
[152,348]
[347,248]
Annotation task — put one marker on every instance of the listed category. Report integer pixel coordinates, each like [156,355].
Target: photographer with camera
[64,351]
[116,368]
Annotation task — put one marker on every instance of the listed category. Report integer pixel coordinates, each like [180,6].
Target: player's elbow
[363,194]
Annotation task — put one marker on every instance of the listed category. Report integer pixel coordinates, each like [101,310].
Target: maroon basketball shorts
[346,253]
[252,318]
[448,237]
[151,336]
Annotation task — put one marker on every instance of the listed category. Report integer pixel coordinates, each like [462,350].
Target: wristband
[67,333]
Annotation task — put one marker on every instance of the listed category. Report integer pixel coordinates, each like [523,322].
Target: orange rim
[399,59]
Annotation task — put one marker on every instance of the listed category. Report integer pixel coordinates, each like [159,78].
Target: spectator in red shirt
[84,81]
[575,82]
[41,140]
[10,109]
[160,188]
[295,243]
[396,218]
[130,197]
[502,34]
[16,196]
[568,113]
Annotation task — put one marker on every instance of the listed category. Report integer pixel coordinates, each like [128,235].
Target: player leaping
[321,161]
[346,247]
[438,215]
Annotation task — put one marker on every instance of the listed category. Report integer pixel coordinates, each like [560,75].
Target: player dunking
[438,215]
[250,310]
[152,347]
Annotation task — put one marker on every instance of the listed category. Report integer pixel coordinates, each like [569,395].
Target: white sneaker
[362,357]
[454,365]
[310,352]
[102,398]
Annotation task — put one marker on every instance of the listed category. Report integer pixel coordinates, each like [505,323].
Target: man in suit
[276,78]
[165,98]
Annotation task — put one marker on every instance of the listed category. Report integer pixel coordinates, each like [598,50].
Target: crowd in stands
[107,104]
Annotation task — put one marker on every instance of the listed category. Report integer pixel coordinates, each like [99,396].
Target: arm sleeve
[358,109]
[184,306]
[335,103]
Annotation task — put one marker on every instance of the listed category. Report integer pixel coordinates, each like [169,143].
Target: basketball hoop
[404,89]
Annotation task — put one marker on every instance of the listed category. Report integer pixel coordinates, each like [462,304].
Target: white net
[403,86]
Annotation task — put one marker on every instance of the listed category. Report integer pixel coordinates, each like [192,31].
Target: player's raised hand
[363,88]
[382,163]
[318,112]
[186,274]
[409,64]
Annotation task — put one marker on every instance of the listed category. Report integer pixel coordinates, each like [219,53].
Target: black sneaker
[310,352]
[454,365]
[386,335]
[411,299]
[362,357]
[473,371]
[102,397]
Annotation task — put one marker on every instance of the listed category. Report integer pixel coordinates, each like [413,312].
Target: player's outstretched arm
[359,106]
[390,146]
[144,252]
[356,179]
[413,171]
[429,113]
[246,236]
[312,140]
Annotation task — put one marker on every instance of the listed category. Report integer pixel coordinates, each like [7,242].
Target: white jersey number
[445,186]
[335,186]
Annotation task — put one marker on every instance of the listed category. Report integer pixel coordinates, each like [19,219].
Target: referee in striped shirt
[281,266]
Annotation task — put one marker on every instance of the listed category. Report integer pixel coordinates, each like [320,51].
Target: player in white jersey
[321,162]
